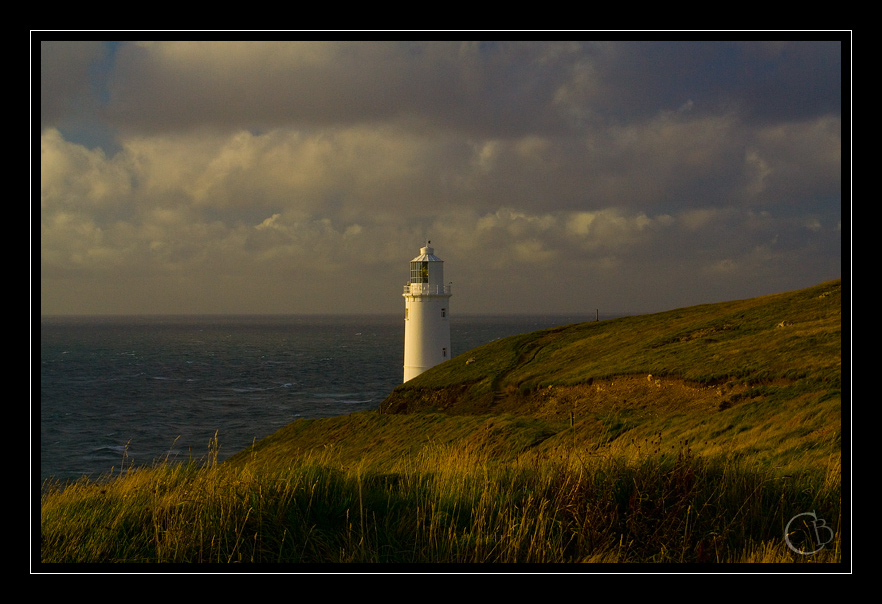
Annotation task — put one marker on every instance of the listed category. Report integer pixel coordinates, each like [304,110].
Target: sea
[121,392]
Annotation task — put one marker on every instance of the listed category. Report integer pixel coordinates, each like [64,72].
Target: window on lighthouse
[419,272]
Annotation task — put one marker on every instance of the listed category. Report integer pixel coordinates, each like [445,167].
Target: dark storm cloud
[760,81]
[501,88]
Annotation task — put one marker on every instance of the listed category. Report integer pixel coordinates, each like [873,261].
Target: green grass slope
[757,378]
[790,336]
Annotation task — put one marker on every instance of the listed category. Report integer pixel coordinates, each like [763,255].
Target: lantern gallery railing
[421,289]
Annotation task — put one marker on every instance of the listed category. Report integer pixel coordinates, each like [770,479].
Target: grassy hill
[758,378]
[691,435]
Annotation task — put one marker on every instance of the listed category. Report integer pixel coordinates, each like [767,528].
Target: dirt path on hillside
[637,394]
[647,393]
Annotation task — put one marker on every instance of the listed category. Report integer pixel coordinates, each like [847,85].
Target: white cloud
[75,177]
[610,228]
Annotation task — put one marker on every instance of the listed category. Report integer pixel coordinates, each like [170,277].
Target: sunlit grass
[625,503]
[792,338]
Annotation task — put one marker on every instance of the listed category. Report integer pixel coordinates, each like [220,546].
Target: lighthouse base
[412,372]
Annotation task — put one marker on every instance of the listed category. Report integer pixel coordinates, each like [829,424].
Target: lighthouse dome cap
[427,254]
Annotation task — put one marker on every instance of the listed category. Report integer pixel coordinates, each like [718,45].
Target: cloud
[162,86]
[264,176]
[65,80]
[793,160]
[76,177]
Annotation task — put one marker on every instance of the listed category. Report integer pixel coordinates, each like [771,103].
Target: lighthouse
[426,314]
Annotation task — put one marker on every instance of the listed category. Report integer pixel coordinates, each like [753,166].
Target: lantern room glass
[419,272]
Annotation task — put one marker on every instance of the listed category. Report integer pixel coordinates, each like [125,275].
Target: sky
[551,177]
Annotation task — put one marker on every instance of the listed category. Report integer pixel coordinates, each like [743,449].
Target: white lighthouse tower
[426,314]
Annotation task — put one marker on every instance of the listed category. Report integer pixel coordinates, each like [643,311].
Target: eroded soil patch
[646,393]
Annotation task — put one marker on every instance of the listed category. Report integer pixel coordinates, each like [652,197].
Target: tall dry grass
[444,505]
